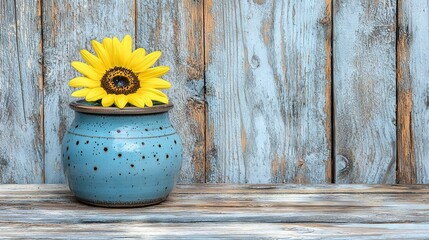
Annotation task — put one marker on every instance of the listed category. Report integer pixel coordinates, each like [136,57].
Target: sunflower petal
[153,96]
[102,53]
[155,91]
[148,61]
[118,52]
[121,100]
[95,94]
[93,61]
[87,70]
[83,82]
[108,45]
[154,83]
[127,46]
[108,100]
[148,102]
[137,100]
[135,57]
[154,72]
[81,92]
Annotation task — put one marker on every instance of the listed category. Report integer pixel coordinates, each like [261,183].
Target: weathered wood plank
[208,230]
[67,28]
[21,88]
[26,190]
[268,81]
[230,211]
[176,28]
[53,204]
[268,85]
[251,203]
[364,91]
[413,92]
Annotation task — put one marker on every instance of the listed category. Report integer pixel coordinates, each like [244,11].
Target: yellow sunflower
[117,75]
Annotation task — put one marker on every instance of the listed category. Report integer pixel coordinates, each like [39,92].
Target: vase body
[121,160]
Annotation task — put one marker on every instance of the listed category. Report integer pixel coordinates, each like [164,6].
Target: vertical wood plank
[365,91]
[268,81]
[176,28]
[21,134]
[68,27]
[413,92]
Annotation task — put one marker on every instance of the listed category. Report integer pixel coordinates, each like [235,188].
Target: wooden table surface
[224,211]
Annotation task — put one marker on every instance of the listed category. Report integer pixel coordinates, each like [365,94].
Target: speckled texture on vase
[121,160]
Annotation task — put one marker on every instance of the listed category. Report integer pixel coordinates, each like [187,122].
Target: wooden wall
[265,91]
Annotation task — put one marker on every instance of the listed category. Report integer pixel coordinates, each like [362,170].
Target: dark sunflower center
[119,80]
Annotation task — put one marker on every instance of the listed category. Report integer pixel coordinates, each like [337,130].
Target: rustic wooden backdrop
[291,91]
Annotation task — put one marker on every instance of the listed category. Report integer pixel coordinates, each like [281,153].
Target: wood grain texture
[21,87]
[364,91]
[252,83]
[413,92]
[176,28]
[225,211]
[268,84]
[208,230]
[67,28]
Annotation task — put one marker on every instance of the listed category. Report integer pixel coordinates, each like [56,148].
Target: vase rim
[86,107]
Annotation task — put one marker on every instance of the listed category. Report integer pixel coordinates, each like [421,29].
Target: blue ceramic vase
[121,157]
